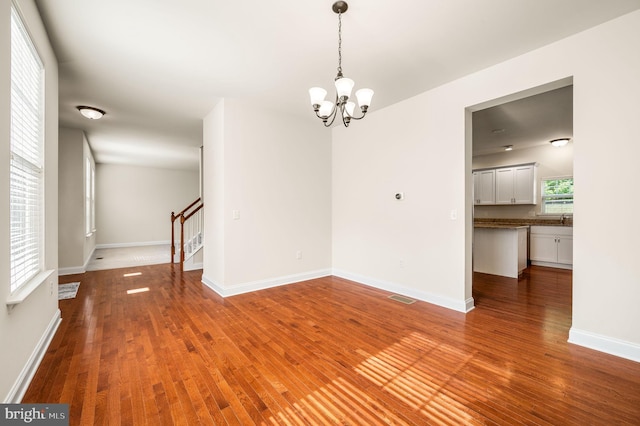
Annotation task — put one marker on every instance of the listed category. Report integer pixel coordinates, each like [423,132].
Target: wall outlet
[401,263]
[235,214]
[453,214]
[51,288]
[299,254]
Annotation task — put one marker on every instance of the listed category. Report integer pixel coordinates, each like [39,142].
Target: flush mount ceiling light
[508,147]
[559,142]
[91,112]
[327,110]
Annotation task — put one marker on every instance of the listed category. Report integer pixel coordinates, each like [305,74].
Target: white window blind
[87,196]
[26,166]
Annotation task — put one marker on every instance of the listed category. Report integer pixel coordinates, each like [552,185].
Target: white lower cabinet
[551,246]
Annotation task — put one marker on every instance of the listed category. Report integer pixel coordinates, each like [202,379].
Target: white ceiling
[157,67]
[524,123]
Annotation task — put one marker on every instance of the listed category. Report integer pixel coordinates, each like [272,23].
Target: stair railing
[191,231]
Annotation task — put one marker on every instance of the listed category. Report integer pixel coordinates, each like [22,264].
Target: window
[26,172]
[89,197]
[557,195]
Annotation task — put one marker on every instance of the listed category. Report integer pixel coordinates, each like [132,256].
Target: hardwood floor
[326,351]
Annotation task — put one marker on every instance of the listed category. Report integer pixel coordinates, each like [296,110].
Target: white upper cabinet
[513,185]
[484,187]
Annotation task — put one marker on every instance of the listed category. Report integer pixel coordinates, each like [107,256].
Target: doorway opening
[504,137]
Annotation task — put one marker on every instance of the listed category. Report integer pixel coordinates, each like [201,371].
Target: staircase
[191,220]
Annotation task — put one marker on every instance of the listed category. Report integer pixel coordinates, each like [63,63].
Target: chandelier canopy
[327,110]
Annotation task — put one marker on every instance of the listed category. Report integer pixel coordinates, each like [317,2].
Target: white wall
[71,199]
[552,162]
[275,171]
[411,246]
[422,146]
[25,330]
[134,204]
[214,187]
[74,245]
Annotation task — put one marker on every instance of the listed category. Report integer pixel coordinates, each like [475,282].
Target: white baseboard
[552,264]
[605,344]
[192,266]
[72,270]
[263,284]
[446,302]
[26,375]
[77,269]
[121,245]
[460,306]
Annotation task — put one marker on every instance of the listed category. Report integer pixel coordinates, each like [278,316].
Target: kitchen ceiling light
[91,112]
[327,110]
[508,147]
[559,142]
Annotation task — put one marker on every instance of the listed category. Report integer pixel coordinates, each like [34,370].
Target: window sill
[21,294]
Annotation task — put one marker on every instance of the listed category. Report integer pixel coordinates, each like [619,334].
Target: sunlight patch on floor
[402,370]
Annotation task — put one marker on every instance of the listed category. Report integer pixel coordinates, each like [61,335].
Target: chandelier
[327,110]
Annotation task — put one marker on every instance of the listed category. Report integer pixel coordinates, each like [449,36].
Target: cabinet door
[524,185]
[504,186]
[483,187]
[544,248]
[565,249]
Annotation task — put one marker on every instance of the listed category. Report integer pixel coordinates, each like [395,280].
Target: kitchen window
[557,195]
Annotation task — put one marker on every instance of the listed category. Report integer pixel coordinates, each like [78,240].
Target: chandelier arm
[358,118]
[336,105]
[333,117]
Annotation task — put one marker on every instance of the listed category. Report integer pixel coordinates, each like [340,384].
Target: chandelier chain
[340,43]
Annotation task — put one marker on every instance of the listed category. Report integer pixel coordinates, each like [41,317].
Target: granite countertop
[498,226]
[506,223]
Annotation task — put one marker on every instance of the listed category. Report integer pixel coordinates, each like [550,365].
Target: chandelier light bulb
[349,108]
[364,97]
[317,95]
[326,107]
[344,86]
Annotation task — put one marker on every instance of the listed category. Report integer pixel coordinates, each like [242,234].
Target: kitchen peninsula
[500,249]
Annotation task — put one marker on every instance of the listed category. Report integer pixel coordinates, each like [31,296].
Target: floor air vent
[402,299]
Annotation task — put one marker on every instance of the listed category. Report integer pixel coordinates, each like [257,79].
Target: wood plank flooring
[326,351]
